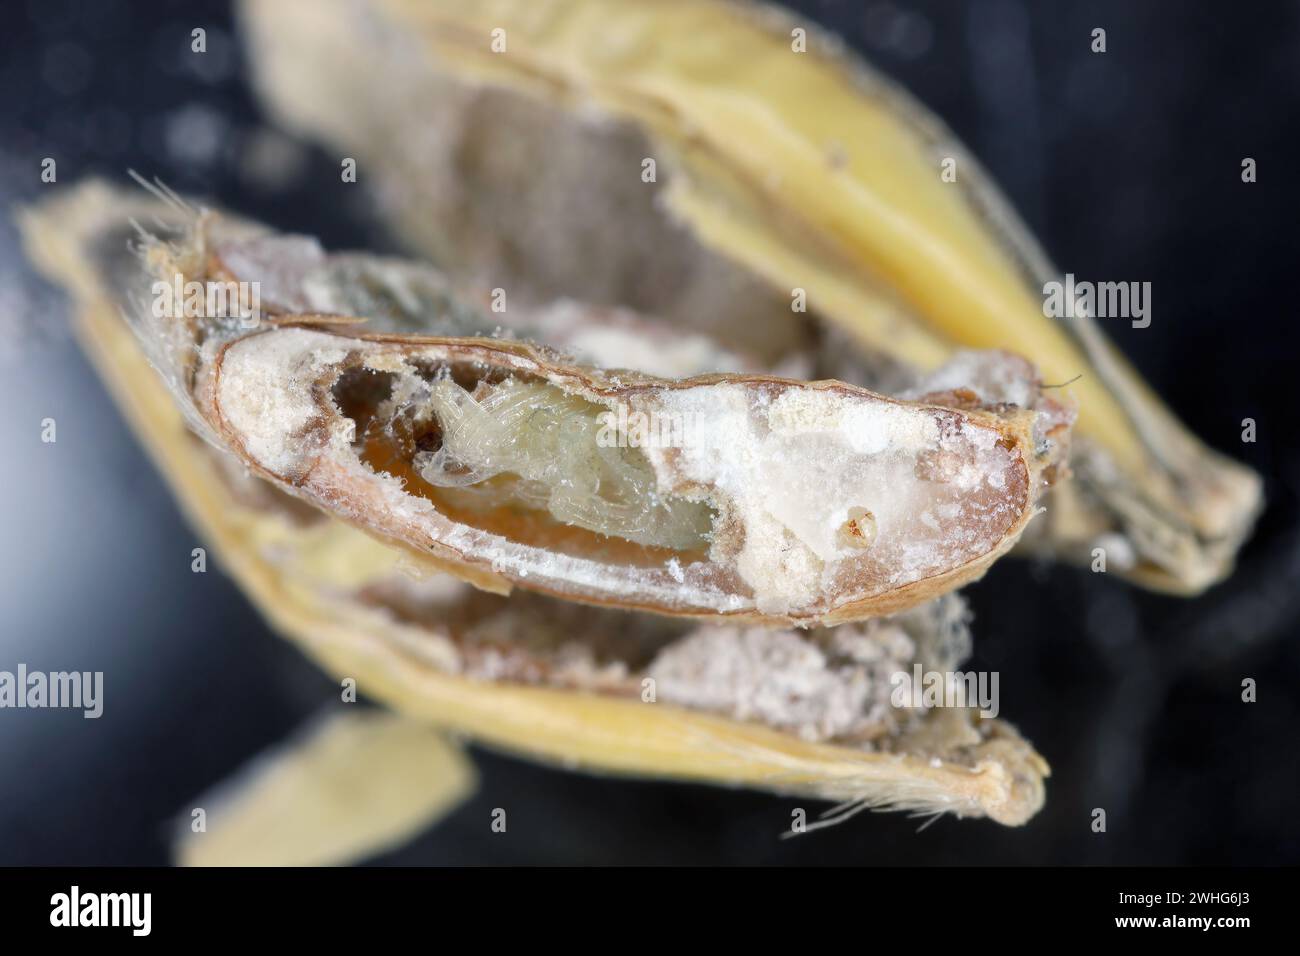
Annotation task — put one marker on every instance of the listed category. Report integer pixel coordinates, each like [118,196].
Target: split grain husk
[545,678]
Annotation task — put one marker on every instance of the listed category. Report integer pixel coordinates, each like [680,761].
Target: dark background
[1128,166]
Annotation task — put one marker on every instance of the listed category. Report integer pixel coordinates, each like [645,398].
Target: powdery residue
[995,377]
[823,686]
[793,465]
[265,391]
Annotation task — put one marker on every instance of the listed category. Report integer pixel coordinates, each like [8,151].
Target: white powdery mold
[265,392]
[995,377]
[772,677]
[784,679]
[791,467]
